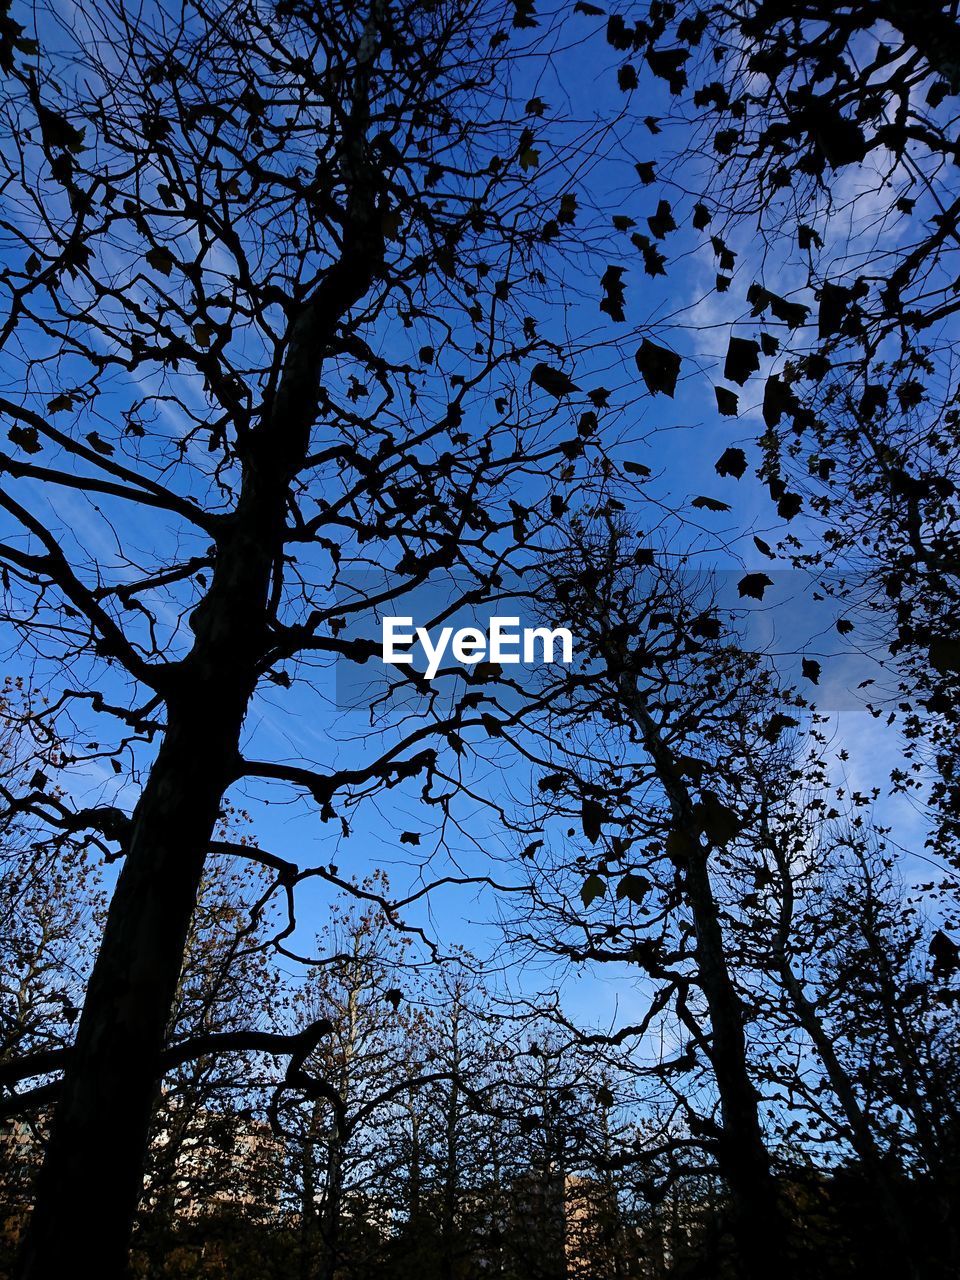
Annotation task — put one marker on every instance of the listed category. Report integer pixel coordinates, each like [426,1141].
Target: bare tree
[273,300]
[643,759]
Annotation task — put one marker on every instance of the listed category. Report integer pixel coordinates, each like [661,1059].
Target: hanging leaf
[776,725]
[592,814]
[754,585]
[725,140]
[842,141]
[567,213]
[659,368]
[161,259]
[390,224]
[101,445]
[613,298]
[769,345]
[593,887]
[728,403]
[726,257]
[777,400]
[910,393]
[810,670]
[706,626]
[58,133]
[712,95]
[789,505]
[874,400]
[834,300]
[523,14]
[662,222]
[667,64]
[678,846]
[646,172]
[945,655]
[717,821]
[653,260]
[554,381]
[618,34]
[26,438]
[793,314]
[806,236]
[552,782]
[710,504]
[732,462]
[743,358]
[945,955]
[633,887]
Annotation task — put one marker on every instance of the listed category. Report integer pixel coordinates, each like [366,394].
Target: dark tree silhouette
[271,300]
[282,291]
[663,774]
[817,159]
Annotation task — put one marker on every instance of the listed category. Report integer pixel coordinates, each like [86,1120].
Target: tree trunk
[759,1224]
[333,1208]
[893,1228]
[90,1184]
[308,1198]
[92,1176]
[451,1172]
[743,1155]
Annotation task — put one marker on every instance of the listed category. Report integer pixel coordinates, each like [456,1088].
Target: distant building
[220,1161]
[565,1227]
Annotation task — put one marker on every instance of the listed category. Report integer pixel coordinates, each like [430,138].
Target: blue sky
[679,439]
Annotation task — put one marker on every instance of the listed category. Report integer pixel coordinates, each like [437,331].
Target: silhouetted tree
[273,290]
